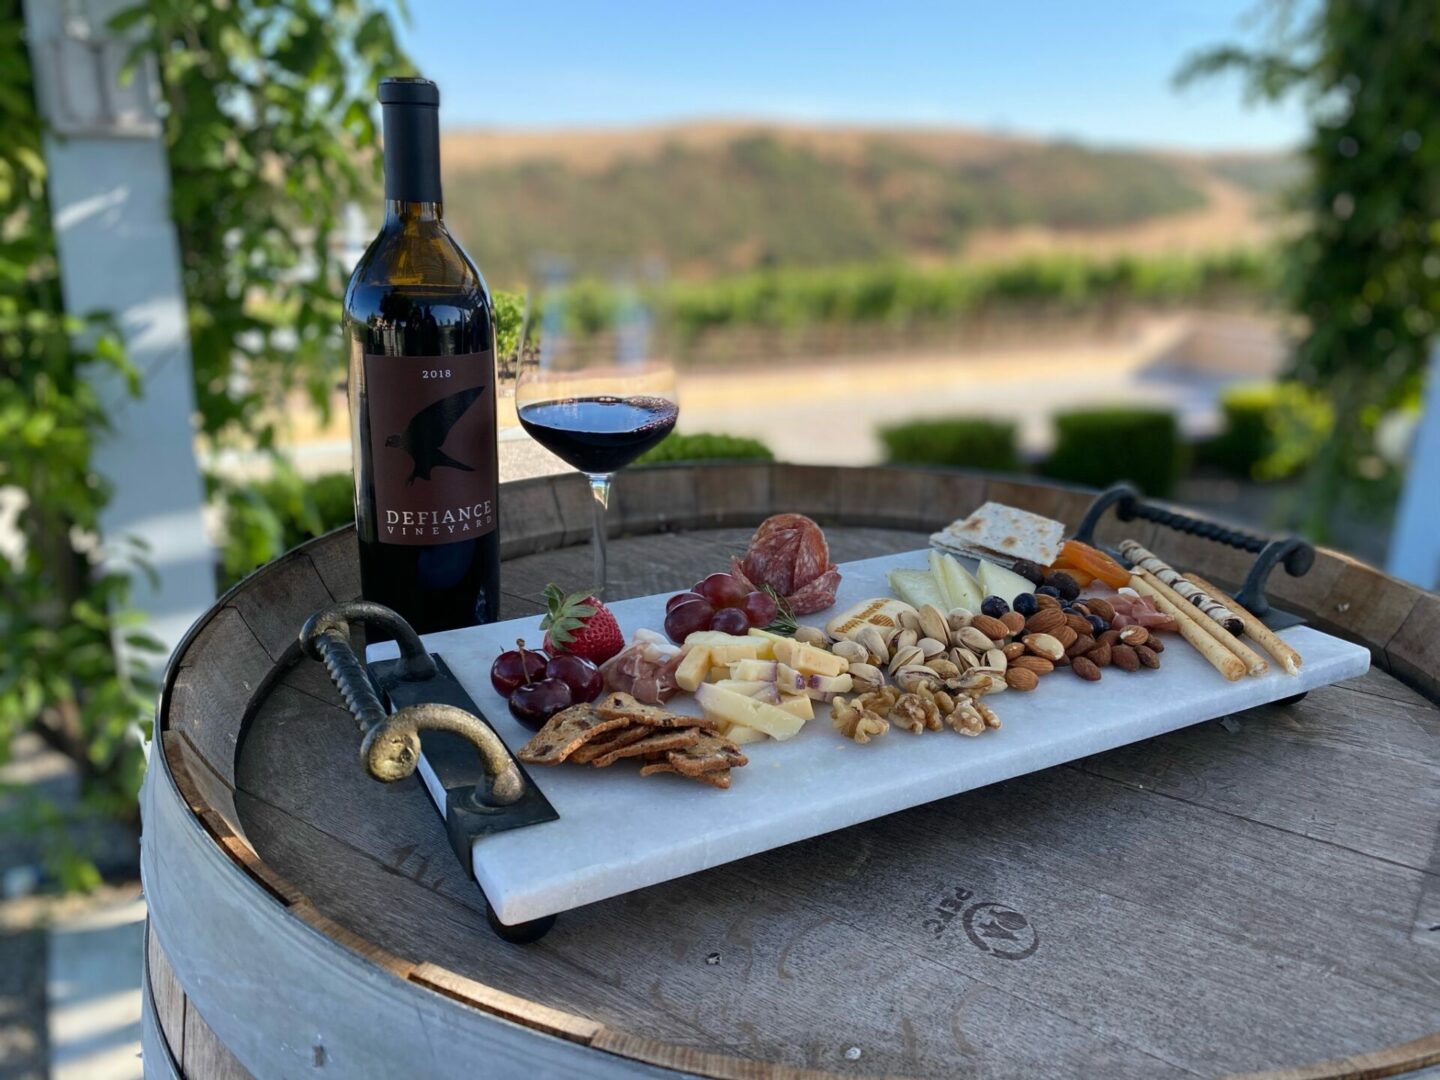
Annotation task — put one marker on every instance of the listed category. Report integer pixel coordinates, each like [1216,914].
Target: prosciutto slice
[789,554]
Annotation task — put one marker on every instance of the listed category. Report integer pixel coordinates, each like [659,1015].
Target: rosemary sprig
[784,622]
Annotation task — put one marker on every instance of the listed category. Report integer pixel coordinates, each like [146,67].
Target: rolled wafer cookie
[1259,633]
[1168,575]
[1255,664]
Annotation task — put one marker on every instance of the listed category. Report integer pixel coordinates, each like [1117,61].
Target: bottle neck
[412,157]
[403,212]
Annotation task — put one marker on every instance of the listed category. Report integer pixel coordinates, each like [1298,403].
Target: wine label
[432,446]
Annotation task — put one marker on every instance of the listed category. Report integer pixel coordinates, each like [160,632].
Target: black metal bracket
[1294,554]
[486,789]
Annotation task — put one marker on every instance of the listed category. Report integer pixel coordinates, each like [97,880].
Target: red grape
[688,618]
[680,598]
[760,608]
[722,590]
[730,620]
[514,667]
[535,702]
[580,675]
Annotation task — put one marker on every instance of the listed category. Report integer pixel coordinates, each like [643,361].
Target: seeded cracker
[566,732]
[597,748]
[719,778]
[655,743]
[624,707]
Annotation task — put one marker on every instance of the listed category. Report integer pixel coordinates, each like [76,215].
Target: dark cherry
[515,667]
[580,675]
[535,702]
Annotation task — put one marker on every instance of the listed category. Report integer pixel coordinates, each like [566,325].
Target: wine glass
[596,389]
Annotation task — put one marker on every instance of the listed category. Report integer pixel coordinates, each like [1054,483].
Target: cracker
[709,753]
[613,741]
[566,732]
[719,778]
[654,743]
[626,707]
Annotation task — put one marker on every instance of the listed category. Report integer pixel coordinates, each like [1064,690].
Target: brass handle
[390,750]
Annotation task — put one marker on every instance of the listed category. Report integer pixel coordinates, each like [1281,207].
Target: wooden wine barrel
[1259,894]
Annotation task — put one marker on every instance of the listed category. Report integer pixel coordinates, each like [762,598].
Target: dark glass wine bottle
[421,332]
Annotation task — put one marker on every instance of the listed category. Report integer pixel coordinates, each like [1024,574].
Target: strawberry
[581,625]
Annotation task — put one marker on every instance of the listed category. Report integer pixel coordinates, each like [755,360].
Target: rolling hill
[717,197]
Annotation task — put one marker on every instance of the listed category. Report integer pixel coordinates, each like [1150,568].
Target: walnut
[879,701]
[915,713]
[987,714]
[966,719]
[856,723]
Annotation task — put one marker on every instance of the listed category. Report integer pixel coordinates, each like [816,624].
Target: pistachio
[974,639]
[959,618]
[866,677]
[812,635]
[874,642]
[904,638]
[964,659]
[913,676]
[852,651]
[933,622]
[906,656]
[910,620]
[930,647]
[943,668]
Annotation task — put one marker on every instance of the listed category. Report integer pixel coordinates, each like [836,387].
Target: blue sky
[1096,70]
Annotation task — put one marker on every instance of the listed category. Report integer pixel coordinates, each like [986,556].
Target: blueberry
[993,606]
[1025,604]
[1096,622]
[1030,571]
[1048,590]
[1064,585]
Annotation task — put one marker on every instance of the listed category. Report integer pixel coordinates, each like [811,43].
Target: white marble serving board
[619,831]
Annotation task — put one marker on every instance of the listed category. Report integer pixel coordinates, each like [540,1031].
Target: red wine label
[432,446]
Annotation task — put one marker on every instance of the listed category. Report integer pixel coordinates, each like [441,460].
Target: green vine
[1365,272]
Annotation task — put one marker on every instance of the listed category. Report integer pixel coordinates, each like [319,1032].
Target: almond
[1109,637]
[1135,635]
[1014,650]
[1124,658]
[1045,621]
[993,629]
[1030,662]
[1046,602]
[1021,679]
[1080,646]
[1099,656]
[1062,661]
[1045,645]
[1078,623]
[1066,635]
[1147,656]
[1100,607]
[1014,621]
[1085,669]
[1155,644]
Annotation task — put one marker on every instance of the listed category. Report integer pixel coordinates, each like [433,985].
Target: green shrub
[266,519]
[1271,430]
[706,447]
[967,441]
[1099,447]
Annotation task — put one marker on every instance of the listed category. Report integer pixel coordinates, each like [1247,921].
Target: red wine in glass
[599,435]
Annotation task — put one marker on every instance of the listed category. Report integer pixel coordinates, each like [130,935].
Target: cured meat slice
[789,554]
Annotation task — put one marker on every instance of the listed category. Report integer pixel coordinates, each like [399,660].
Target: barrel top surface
[1253,893]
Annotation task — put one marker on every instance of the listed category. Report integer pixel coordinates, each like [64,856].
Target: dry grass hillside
[725,196]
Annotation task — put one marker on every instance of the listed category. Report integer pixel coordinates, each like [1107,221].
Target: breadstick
[1261,634]
[1221,658]
[1254,663]
[1142,559]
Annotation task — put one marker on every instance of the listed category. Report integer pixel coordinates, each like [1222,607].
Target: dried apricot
[1075,555]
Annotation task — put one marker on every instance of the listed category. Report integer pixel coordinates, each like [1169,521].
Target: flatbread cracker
[719,778]
[658,742]
[624,706]
[566,732]
[1003,534]
[709,753]
[613,741]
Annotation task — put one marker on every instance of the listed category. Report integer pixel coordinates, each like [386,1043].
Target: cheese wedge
[882,611]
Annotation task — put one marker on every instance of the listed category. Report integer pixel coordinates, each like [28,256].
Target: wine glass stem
[600,489]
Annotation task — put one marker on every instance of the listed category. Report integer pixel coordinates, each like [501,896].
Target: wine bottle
[421,331]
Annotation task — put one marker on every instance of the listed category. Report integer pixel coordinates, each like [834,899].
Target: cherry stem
[524,667]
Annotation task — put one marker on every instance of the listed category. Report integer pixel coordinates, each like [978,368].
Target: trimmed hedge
[1099,447]
[1272,430]
[704,446]
[971,442]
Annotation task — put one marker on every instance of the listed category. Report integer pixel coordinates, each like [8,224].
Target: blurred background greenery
[790,250]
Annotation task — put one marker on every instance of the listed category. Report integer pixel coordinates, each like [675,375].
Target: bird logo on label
[427,431]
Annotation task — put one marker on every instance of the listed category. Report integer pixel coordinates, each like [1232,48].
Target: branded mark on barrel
[992,927]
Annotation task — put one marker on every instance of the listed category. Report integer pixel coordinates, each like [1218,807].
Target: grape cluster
[721,602]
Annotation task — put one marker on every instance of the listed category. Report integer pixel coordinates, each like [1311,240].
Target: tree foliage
[1365,273]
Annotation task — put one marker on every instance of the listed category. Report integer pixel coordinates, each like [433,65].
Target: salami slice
[789,553]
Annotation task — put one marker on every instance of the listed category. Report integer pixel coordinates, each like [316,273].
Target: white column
[1415,543]
[109,184]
